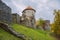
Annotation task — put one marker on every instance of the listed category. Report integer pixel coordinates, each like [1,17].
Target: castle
[27,18]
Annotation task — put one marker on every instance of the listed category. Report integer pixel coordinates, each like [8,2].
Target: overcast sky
[44,8]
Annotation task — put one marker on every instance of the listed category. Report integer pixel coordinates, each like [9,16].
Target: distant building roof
[29,8]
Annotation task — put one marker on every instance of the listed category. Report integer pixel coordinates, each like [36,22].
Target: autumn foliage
[56,24]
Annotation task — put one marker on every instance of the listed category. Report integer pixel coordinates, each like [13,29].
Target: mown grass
[30,33]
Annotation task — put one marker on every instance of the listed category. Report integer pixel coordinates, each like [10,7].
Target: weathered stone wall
[5,13]
[46,25]
[4,7]
[15,18]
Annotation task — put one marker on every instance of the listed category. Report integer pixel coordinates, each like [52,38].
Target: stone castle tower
[28,17]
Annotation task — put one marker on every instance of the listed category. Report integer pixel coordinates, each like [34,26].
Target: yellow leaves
[56,25]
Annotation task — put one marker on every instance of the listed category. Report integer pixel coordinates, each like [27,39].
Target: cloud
[40,1]
[20,7]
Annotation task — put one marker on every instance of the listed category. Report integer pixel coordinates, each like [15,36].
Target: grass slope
[30,33]
[6,36]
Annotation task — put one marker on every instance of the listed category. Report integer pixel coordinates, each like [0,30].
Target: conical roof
[29,8]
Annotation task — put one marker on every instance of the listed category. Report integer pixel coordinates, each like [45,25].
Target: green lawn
[30,33]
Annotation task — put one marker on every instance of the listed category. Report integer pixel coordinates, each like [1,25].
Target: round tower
[29,16]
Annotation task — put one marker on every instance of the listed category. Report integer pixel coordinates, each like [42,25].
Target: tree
[57,22]
[40,22]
